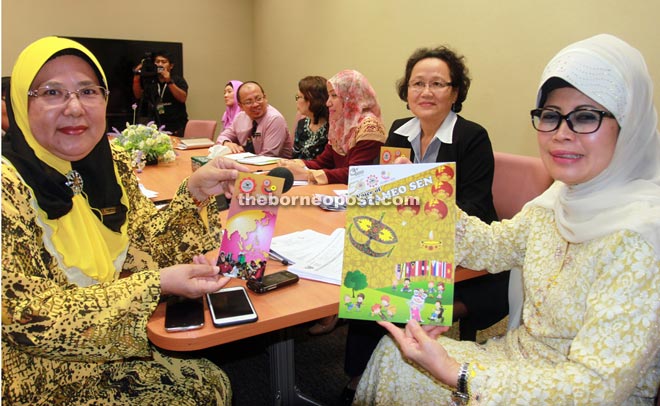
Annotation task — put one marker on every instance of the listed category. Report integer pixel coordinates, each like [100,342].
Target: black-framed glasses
[580,121]
[434,86]
[55,95]
[298,97]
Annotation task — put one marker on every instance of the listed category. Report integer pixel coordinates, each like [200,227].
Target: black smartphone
[272,281]
[183,314]
[230,306]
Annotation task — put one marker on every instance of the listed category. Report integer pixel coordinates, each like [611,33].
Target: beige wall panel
[506,43]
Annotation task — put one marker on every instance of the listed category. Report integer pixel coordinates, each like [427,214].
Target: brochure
[250,226]
[399,244]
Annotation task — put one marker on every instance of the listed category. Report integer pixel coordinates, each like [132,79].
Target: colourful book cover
[389,154]
[399,244]
[250,226]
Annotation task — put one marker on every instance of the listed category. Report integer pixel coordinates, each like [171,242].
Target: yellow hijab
[85,248]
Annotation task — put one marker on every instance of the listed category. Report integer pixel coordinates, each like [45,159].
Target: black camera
[149,71]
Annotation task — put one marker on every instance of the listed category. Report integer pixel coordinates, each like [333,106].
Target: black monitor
[118,57]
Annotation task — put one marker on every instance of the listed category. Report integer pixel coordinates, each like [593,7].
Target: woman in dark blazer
[471,150]
[434,86]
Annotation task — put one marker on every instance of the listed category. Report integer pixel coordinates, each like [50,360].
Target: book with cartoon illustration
[250,226]
[399,245]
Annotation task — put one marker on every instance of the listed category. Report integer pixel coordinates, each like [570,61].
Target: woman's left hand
[214,178]
[192,280]
[419,347]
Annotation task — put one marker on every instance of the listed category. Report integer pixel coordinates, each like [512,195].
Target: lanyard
[162,93]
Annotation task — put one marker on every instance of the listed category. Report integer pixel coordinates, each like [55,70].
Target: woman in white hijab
[589,249]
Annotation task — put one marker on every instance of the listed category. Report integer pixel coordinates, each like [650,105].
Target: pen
[279,257]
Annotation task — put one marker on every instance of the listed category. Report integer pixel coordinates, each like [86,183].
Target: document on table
[258,160]
[251,159]
[239,155]
[315,255]
[149,193]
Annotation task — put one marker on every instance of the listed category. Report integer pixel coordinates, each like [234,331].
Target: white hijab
[626,195]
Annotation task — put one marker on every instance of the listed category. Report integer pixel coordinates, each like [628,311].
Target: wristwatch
[461,396]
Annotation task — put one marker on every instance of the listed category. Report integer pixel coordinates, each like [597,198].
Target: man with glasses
[162,95]
[259,128]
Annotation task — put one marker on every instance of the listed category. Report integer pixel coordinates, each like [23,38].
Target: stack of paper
[194,143]
[252,159]
[315,256]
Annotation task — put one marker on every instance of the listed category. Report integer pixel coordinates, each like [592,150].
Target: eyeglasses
[580,121]
[88,95]
[298,97]
[250,102]
[418,86]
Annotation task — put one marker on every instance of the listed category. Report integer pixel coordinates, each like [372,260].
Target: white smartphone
[183,314]
[230,306]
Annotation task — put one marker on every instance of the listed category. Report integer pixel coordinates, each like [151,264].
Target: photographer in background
[162,96]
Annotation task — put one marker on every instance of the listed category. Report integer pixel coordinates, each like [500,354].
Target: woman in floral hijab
[356,131]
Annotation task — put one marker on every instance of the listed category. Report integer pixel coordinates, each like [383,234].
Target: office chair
[200,129]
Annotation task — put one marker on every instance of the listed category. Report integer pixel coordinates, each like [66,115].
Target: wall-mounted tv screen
[119,57]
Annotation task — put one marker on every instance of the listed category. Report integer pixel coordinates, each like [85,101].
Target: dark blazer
[473,153]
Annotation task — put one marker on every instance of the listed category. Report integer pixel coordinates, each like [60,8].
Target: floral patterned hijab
[359,100]
[232,111]
[626,195]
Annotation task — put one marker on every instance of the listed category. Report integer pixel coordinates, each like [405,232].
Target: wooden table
[165,178]
[305,301]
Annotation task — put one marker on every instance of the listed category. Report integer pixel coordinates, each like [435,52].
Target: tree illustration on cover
[374,230]
[355,280]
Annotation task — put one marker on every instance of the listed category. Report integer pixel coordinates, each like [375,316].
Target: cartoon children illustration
[375,310]
[441,289]
[348,303]
[391,311]
[384,305]
[359,301]
[438,312]
[431,290]
[406,285]
[415,305]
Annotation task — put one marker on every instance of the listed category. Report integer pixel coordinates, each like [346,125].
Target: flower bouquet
[145,142]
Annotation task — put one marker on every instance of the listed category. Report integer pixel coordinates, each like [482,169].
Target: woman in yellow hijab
[85,256]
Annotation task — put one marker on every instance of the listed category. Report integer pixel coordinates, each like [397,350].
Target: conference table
[277,310]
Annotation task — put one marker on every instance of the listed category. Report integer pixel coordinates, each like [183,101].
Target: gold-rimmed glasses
[435,86]
[55,95]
